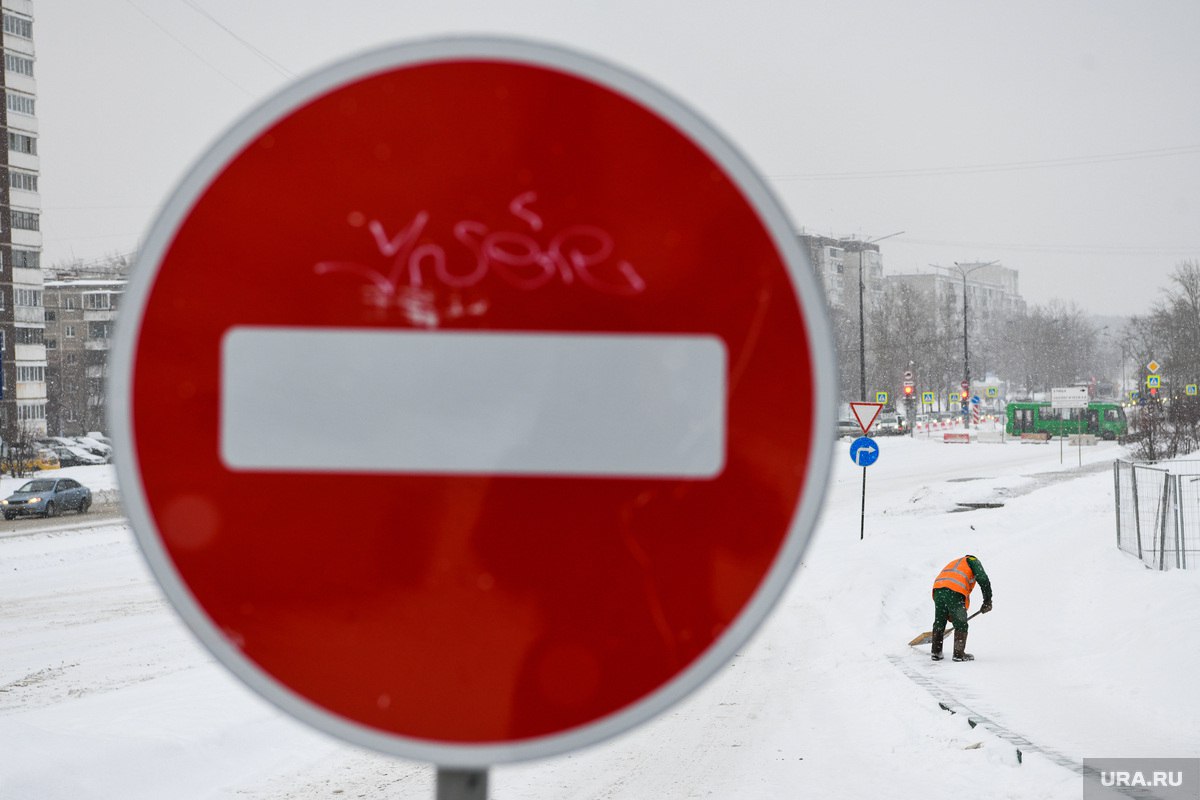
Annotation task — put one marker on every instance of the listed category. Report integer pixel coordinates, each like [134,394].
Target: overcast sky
[1062,139]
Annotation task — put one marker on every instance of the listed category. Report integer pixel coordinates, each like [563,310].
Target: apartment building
[840,263]
[992,289]
[22,323]
[80,314]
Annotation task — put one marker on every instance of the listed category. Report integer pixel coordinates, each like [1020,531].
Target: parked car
[42,458]
[99,437]
[890,424]
[76,457]
[848,427]
[95,447]
[48,497]
[79,444]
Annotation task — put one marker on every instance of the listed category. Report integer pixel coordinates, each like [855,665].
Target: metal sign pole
[461,784]
[862,514]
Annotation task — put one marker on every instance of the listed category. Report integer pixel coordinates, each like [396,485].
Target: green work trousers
[948,605]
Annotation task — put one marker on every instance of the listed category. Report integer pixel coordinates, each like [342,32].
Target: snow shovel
[927,636]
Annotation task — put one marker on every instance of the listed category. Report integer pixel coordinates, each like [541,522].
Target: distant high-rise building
[840,263]
[22,321]
[992,289]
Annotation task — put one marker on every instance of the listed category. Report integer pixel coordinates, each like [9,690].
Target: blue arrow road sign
[864,451]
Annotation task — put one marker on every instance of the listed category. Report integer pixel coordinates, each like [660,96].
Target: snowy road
[104,694]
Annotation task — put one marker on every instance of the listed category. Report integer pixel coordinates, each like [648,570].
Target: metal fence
[1158,512]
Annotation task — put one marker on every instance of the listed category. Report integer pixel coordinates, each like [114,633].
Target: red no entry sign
[469,403]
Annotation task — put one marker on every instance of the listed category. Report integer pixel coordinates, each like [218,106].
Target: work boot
[936,647]
[960,646]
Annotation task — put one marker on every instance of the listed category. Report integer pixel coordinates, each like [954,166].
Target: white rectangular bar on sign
[457,402]
[1069,397]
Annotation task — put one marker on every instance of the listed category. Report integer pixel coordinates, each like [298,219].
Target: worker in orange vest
[952,598]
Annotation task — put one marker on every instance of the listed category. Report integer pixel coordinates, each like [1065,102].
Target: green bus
[1106,420]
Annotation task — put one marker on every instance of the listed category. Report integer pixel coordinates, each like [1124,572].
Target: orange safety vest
[958,576]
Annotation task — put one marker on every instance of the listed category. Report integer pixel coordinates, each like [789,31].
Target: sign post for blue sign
[863,452]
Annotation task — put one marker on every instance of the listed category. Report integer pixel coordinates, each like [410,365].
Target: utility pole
[862,341]
[964,270]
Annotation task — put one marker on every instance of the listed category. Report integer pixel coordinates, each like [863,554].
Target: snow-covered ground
[104,694]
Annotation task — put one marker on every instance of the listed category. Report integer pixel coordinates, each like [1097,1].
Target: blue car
[48,497]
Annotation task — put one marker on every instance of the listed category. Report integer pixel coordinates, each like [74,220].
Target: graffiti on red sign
[577,251]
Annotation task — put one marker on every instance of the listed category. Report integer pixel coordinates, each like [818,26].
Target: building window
[27,297]
[16,63]
[21,143]
[69,302]
[28,259]
[51,315]
[20,103]
[52,344]
[69,331]
[25,220]
[31,374]
[71,358]
[97,300]
[31,411]
[99,330]
[18,26]
[27,181]
[28,335]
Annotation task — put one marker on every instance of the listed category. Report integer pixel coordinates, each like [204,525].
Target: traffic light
[963,395]
[908,390]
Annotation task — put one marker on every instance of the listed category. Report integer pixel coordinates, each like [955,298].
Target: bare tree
[1169,421]
[902,332]
[19,451]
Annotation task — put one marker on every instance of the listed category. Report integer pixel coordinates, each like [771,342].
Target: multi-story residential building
[839,263]
[22,348]
[80,313]
[992,289]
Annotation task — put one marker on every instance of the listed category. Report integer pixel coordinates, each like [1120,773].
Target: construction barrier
[1158,512]
[955,423]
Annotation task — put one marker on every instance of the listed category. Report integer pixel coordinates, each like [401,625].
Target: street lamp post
[1124,393]
[862,342]
[965,270]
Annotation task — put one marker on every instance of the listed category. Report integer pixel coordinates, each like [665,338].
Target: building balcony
[26,276]
[26,238]
[31,390]
[35,353]
[30,314]
[25,161]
